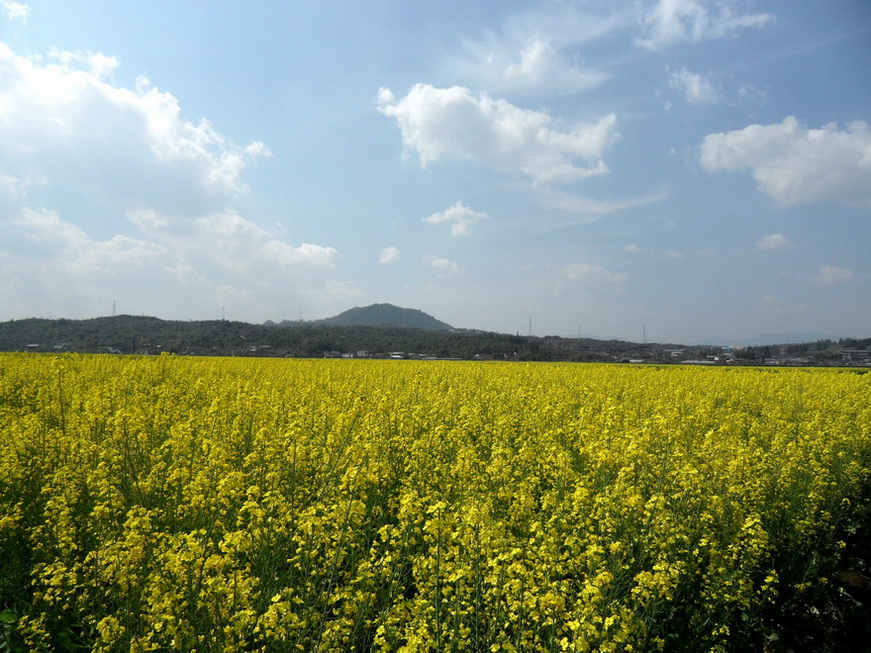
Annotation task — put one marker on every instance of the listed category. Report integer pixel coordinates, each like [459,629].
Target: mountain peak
[387,315]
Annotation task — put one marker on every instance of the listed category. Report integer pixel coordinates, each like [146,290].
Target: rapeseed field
[169,503]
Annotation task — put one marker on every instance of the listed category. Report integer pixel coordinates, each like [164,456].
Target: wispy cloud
[668,22]
[594,275]
[772,242]
[536,51]
[584,210]
[695,88]
[535,65]
[829,275]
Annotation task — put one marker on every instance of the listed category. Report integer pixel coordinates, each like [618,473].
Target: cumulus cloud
[235,242]
[829,275]
[460,216]
[215,259]
[14,10]
[95,63]
[772,242]
[594,275]
[796,165]
[451,122]
[160,187]
[223,240]
[63,124]
[679,21]
[51,265]
[442,265]
[389,255]
[287,255]
[695,88]
[54,238]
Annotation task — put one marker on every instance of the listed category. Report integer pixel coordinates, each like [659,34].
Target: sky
[667,170]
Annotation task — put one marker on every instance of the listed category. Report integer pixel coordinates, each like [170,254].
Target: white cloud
[287,255]
[535,64]
[772,242]
[73,273]
[128,154]
[234,242]
[63,125]
[147,220]
[671,254]
[795,165]
[539,61]
[60,241]
[224,240]
[452,122]
[460,215]
[45,226]
[695,88]
[389,255]
[590,210]
[442,265]
[679,21]
[95,63]
[829,275]
[536,50]
[594,275]
[14,10]
[229,226]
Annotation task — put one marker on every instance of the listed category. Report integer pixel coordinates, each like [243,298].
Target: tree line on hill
[148,335]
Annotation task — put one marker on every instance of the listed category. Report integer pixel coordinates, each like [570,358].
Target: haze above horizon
[700,168]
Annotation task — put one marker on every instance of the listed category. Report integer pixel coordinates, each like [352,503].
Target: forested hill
[128,334]
[148,335]
[381,315]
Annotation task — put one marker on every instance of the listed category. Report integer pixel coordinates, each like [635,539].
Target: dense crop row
[226,504]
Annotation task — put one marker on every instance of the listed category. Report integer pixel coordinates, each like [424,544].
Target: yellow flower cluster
[167,503]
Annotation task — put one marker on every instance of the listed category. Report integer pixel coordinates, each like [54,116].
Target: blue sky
[692,169]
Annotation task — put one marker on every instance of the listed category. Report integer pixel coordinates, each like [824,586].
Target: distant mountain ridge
[382,315]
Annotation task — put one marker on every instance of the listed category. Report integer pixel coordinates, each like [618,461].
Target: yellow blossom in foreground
[272,505]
